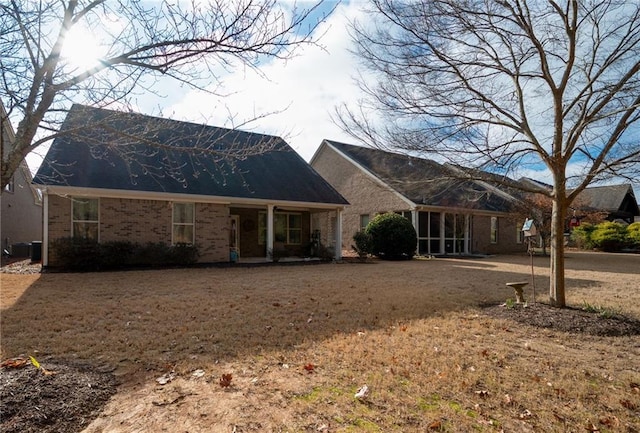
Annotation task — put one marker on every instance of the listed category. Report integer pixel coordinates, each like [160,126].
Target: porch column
[45,228]
[467,229]
[416,222]
[338,236]
[269,230]
[443,250]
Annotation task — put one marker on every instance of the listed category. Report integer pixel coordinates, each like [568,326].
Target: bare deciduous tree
[141,43]
[505,85]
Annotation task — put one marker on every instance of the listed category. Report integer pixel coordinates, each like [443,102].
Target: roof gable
[609,198]
[134,152]
[424,181]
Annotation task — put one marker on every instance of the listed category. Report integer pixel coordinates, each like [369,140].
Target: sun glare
[81,50]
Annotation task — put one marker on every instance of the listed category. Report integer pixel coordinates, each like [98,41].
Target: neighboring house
[20,203]
[102,179]
[450,215]
[613,202]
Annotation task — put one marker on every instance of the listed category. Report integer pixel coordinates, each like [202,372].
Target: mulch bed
[54,398]
[569,319]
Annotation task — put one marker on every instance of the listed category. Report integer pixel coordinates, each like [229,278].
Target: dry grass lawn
[300,341]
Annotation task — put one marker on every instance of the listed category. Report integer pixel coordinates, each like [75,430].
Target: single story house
[20,203]
[613,202]
[450,215]
[121,176]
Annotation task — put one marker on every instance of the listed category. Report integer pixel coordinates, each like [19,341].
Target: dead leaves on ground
[21,362]
[225,380]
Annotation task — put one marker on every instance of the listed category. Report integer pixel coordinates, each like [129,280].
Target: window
[9,187]
[494,230]
[519,234]
[85,218]
[183,223]
[364,221]
[287,228]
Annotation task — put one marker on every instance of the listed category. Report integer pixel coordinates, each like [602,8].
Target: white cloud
[303,90]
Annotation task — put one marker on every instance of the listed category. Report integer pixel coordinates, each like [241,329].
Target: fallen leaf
[628,404]
[435,425]
[14,363]
[166,378]
[309,367]
[362,392]
[225,380]
[591,427]
[508,400]
[526,414]
[197,373]
[610,421]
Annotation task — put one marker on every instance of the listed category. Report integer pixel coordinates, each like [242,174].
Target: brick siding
[145,221]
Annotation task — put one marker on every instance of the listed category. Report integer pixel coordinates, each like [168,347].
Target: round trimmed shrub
[581,236]
[633,234]
[392,237]
[609,236]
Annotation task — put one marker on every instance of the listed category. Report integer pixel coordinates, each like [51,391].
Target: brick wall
[145,221]
[365,195]
[212,232]
[481,236]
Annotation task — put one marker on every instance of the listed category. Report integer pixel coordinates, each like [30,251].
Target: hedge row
[607,236]
[88,255]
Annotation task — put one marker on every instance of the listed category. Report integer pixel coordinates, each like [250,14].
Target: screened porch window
[86,218]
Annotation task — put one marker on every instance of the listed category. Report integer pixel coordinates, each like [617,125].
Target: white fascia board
[163,196]
[375,178]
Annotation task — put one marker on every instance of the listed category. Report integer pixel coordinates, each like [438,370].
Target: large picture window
[183,223]
[287,228]
[85,218]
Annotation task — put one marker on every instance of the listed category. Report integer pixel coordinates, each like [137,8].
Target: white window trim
[192,223]
[262,241]
[73,221]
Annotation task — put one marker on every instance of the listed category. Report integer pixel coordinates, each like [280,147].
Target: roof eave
[165,196]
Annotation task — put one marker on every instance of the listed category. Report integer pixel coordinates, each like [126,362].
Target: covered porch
[284,232]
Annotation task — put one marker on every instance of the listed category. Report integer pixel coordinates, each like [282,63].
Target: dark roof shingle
[133,152]
[424,181]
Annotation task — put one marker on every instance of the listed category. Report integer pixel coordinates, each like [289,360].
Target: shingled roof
[114,150]
[426,182]
[605,198]
[618,201]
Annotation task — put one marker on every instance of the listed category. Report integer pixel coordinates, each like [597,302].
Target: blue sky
[304,92]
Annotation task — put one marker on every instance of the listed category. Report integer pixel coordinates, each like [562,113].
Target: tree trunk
[556,283]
